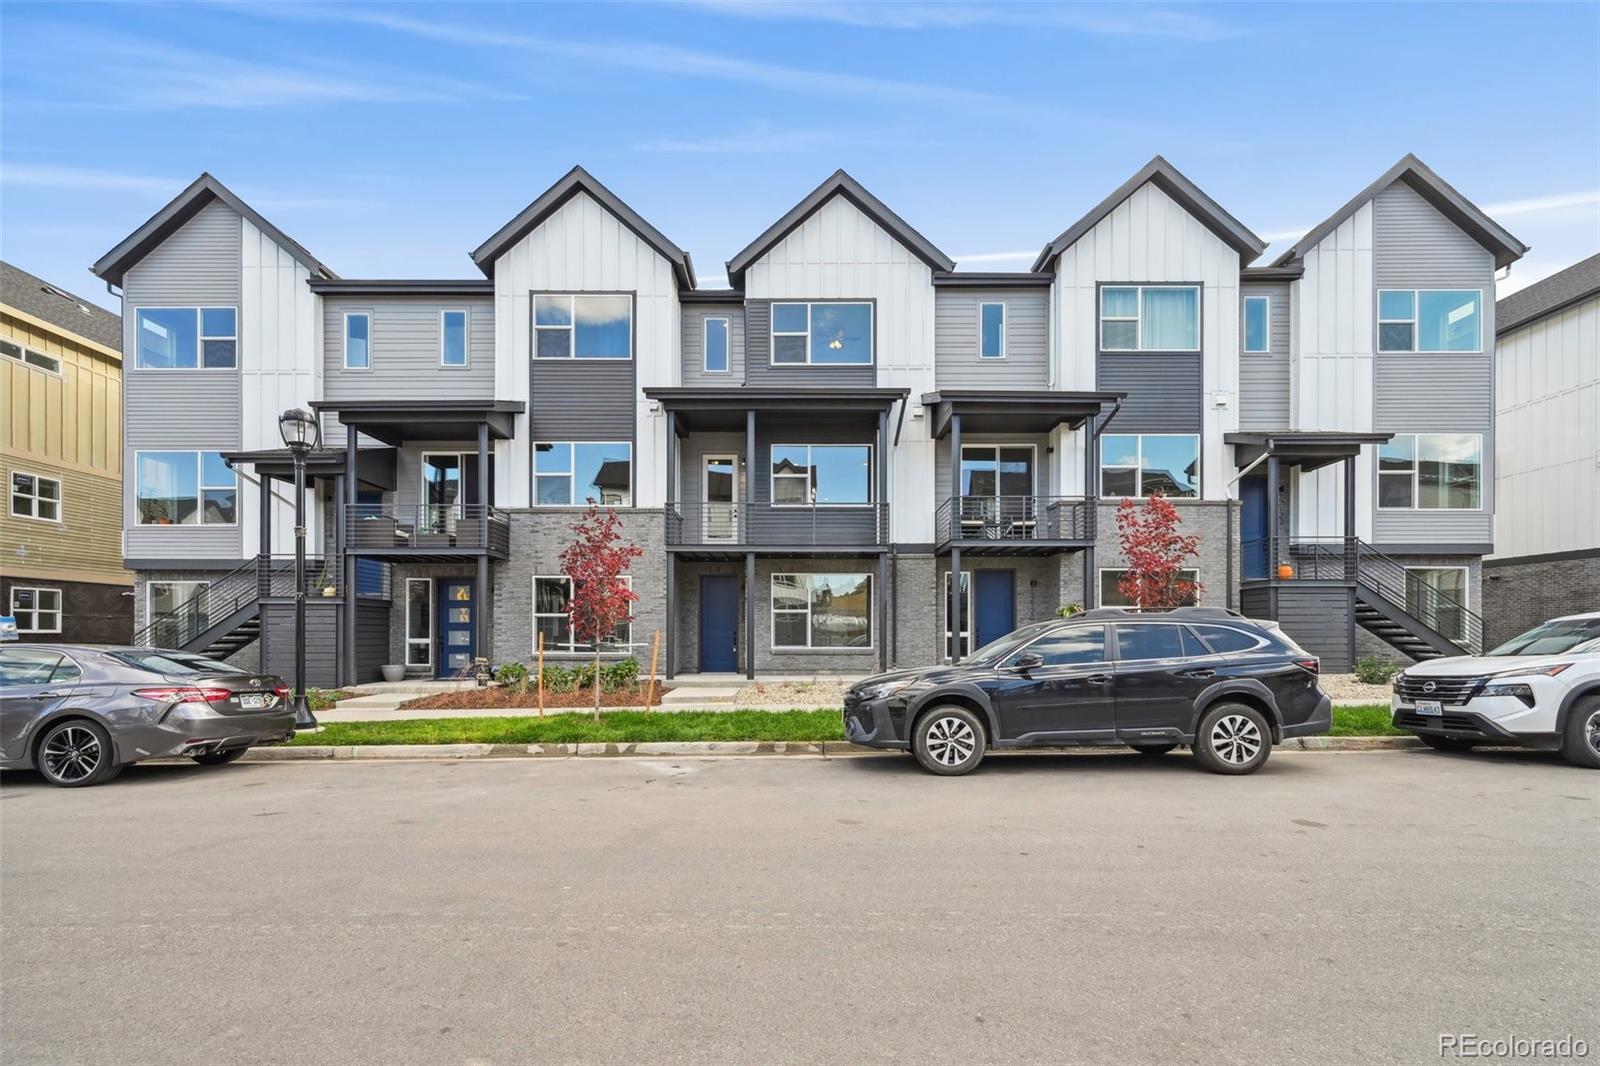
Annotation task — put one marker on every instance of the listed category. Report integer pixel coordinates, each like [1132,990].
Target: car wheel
[1452,744]
[1152,749]
[219,758]
[76,753]
[1580,740]
[1233,739]
[948,741]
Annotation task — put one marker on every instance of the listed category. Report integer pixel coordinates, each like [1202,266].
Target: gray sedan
[79,713]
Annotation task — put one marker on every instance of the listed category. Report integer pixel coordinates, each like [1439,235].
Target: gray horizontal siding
[198,264]
[1416,246]
[694,338]
[582,399]
[405,351]
[182,408]
[759,371]
[1163,391]
[1264,379]
[957,363]
[1318,618]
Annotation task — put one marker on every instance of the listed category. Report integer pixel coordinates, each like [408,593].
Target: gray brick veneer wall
[1518,594]
[1207,519]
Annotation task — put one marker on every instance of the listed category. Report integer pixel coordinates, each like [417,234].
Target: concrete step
[700,696]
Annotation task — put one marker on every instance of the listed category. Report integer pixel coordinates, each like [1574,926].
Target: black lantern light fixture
[301,434]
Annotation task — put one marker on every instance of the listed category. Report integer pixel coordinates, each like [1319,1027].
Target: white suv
[1541,689]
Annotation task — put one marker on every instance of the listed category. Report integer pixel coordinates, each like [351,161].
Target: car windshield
[175,663]
[999,649]
[1564,636]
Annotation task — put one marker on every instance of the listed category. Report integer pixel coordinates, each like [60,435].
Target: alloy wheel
[1591,731]
[72,753]
[951,741]
[1235,739]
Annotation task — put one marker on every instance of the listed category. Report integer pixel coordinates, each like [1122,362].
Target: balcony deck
[1014,525]
[713,530]
[428,532]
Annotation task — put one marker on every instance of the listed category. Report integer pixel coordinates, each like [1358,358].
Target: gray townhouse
[854,456]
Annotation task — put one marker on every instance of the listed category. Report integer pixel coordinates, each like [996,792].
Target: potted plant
[326,583]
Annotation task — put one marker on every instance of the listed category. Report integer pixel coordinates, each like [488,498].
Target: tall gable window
[583,326]
[1257,323]
[452,338]
[822,334]
[992,331]
[716,345]
[1430,320]
[187,338]
[1150,318]
[357,340]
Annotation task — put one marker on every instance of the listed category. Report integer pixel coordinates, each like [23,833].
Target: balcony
[1015,525]
[440,531]
[737,527]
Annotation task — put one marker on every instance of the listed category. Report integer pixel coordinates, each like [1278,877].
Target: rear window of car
[174,663]
[1224,639]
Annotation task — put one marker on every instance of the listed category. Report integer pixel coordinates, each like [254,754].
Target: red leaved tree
[595,562]
[1156,552]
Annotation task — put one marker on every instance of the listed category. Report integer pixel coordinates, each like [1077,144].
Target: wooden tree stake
[650,686]
[541,675]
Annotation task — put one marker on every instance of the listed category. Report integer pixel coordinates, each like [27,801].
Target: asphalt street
[1096,909]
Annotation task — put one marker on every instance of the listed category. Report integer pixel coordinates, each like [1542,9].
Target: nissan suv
[1541,689]
[1226,685]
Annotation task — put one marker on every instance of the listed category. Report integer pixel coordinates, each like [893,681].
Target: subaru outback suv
[1228,686]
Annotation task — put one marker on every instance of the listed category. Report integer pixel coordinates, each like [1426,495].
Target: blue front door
[1253,526]
[996,605]
[719,624]
[458,628]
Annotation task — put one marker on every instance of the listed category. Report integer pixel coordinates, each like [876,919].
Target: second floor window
[357,340]
[821,474]
[572,473]
[185,489]
[453,338]
[583,326]
[187,338]
[1150,464]
[1150,318]
[1257,324]
[1431,471]
[992,331]
[1430,320]
[716,345]
[33,496]
[48,363]
[822,334]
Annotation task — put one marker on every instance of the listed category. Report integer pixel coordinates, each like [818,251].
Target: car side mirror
[1028,660]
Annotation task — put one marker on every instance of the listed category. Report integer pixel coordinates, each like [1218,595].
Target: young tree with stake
[1156,552]
[594,562]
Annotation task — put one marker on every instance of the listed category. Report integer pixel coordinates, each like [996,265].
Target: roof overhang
[1306,449]
[1013,411]
[725,409]
[399,421]
[375,467]
[986,279]
[445,287]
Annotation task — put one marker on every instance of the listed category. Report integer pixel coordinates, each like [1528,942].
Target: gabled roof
[838,184]
[571,184]
[1544,298]
[38,298]
[114,264]
[1171,181]
[1438,192]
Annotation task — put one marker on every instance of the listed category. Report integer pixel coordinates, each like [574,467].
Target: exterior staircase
[225,617]
[1391,603]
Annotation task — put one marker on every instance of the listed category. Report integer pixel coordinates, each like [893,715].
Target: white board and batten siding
[582,247]
[839,252]
[1150,238]
[1547,437]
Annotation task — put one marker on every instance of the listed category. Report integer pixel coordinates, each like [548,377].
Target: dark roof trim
[976,279]
[1271,273]
[461,407]
[114,265]
[711,296]
[838,184]
[1553,295]
[571,184]
[402,287]
[1172,182]
[722,397]
[1438,192]
[1019,410]
[1305,436]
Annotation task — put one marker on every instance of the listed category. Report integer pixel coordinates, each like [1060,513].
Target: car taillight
[184,694]
[1311,665]
[282,691]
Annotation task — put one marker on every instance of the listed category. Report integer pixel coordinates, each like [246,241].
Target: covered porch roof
[1306,449]
[724,409]
[1013,410]
[399,421]
[375,467]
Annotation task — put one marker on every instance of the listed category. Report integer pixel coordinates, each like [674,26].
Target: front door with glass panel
[720,481]
[458,628]
[996,488]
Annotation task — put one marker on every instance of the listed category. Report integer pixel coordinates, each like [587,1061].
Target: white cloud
[1105,21]
[994,257]
[65,177]
[754,142]
[1557,202]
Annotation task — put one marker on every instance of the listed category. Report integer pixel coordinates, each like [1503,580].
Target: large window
[1150,464]
[822,610]
[33,496]
[185,489]
[822,333]
[186,338]
[1111,595]
[994,470]
[452,338]
[48,363]
[419,621]
[1257,324]
[716,345]
[552,600]
[1431,471]
[992,330]
[1437,596]
[826,475]
[1430,320]
[583,326]
[570,474]
[37,610]
[1150,318]
[174,608]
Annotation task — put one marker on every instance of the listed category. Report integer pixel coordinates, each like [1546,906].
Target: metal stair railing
[225,596]
[1350,558]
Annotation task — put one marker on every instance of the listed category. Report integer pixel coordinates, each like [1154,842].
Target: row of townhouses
[808,455]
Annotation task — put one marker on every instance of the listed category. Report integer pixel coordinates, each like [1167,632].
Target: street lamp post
[301,434]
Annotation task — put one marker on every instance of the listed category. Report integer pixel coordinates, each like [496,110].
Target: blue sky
[392,139]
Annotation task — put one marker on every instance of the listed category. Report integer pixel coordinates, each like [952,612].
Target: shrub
[583,676]
[1372,670]
[512,674]
[1067,610]
[559,679]
[618,676]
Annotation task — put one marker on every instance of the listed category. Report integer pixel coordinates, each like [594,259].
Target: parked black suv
[1228,686]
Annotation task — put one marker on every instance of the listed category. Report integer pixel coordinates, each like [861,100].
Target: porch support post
[672,602]
[351,669]
[483,496]
[954,532]
[883,611]
[264,549]
[954,608]
[1272,536]
[749,479]
[1350,518]
[881,494]
[335,551]
[480,606]
[1091,513]
[750,615]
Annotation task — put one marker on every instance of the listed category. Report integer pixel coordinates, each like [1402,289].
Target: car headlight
[882,689]
[1535,671]
[1521,692]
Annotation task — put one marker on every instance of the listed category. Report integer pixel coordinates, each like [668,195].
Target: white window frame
[965,645]
[573,646]
[572,327]
[572,474]
[200,336]
[1005,325]
[411,639]
[1466,595]
[466,338]
[1138,328]
[1190,573]
[1138,471]
[344,339]
[200,490]
[705,344]
[149,596]
[26,356]
[773,476]
[1244,321]
[38,590]
[773,611]
[775,332]
[1416,476]
[35,516]
[1415,321]
[709,520]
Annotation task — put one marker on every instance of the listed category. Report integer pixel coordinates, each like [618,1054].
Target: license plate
[253,701]
[1430,707]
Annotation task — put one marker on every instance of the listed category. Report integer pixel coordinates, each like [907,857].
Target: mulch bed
[475,698]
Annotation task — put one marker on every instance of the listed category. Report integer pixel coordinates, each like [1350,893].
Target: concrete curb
[707,748]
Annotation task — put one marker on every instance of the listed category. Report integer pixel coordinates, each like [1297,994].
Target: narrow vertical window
[716,345]
[453,338]
[992,331]
[1257,323]
[357,340]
